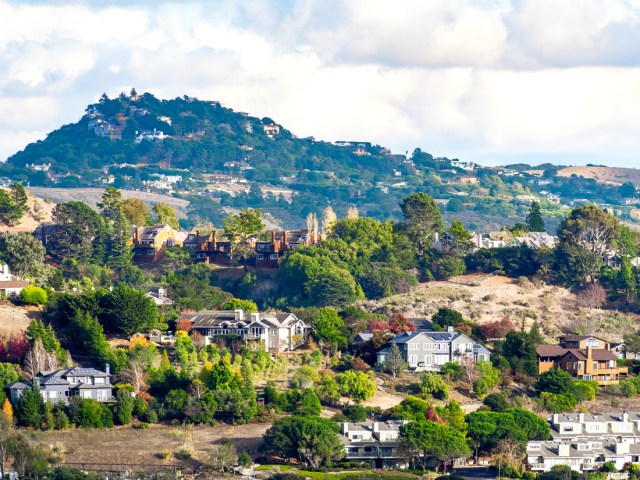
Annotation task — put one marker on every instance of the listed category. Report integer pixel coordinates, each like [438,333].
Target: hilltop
[214,159]
[608,175]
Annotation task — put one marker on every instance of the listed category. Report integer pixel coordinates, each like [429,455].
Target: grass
[345,475]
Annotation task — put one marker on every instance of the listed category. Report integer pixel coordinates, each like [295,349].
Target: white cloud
[493,80]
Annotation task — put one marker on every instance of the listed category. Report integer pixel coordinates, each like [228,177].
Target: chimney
[345,427]
[285,238]
[213,236]
[239,314]
[564,449]
[589,356]
[107,368]
[162,292]
[273,237]
[139,233]
[450,329]
[581,417]
[625,417]
[255,317]
[436,237]
[376,427]
[197,239]
[622,448]
[555,418]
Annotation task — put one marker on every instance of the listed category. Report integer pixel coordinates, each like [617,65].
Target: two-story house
[149,243]
[428,351]
[10,286]
[372,442]
[60,385]
[585,357]
[277,332]
[585,441]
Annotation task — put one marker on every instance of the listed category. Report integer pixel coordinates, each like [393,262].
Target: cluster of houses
[586,441]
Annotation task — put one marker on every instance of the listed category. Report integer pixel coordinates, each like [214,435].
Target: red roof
[13,284]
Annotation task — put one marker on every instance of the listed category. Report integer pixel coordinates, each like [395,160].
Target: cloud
[491,80]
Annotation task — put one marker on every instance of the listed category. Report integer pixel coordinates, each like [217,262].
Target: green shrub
[33,295]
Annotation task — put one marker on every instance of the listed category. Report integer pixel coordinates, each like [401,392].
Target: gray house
[428,351]
[60,385]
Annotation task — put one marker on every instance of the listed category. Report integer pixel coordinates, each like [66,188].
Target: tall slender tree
[535,223]
[422,219]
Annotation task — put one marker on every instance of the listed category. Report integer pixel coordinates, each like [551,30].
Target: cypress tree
[535,223]
[30,407]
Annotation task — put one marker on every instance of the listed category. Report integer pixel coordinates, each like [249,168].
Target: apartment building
[375,443]
[586,441]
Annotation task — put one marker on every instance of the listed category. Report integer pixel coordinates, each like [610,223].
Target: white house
[278,332]
[10,286]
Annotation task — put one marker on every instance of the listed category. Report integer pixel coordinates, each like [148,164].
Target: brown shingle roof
[13,284]
[550,350]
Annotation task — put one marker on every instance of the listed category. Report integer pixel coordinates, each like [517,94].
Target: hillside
[213,158]
[608,175]
[489,298]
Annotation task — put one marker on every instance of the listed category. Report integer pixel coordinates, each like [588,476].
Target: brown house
[584,357]
[149,243]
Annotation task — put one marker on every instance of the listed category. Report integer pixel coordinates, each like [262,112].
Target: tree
[422,219]
[448,266]
[23,253]
[33,295]
[399,323]
[447,317]
[423,439]
[135,211]
[6,440]
[584,238]
[395,364]
[221,458]
[78,228]
[128,310]
[534,220]
[312,440]
[248,306]
[165,215]
[592,296]
[328,327]
[433,384]
[309,404]
[30,407]
[240,228]
[110,203]
[352,212]
[19,195]
[356,385]
[458,241]
[509,455]
[10,213]
[329,218]
[555,381]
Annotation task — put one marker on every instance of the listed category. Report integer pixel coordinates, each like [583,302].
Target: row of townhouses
[585,441]
[150,242]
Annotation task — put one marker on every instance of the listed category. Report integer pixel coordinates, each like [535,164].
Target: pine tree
[19,195]
[535,223]
[119,251]
[30,408]
[395,364]
[165,364]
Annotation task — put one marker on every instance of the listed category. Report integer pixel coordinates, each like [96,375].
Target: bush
[140,426]
[33,295]
[447,267]
[244,459]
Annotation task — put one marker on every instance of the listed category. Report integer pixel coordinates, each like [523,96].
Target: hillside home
[45,231]
[60,385]
[428,351]
[160,297]
[277,332]
[43,167]
[271,129]
[150,135]
[585,441]
[10,286]
[470,166]
[375,443]
[584,357]
[149,243]
[534,240]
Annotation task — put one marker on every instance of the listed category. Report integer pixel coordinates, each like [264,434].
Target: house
[468,180]
[553,198]
[10,286]
[470,166]
[428,351]
[540,181]
[44,167]
[375,443]
[45,231]
[508,172]
[60,385]
[271,129]
[150,135]
[526,199]
[160,297]
[585,441]
[149,243]
[107,179]
[534,240]
[277,332]
[585,357]
[270,253]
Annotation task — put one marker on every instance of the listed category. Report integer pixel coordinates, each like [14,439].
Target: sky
[495,82]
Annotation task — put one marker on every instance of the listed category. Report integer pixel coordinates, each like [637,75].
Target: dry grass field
[16,319]
[93,195]
[125,445]
[611,175]
[488,298]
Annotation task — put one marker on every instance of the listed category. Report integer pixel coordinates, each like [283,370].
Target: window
[595,365]
[567,428]
[425,346]
[274,256]
[149,252]
[259,256]
[579,366]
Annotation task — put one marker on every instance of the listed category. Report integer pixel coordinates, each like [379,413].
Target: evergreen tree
[120,253]
[422,219]
[19,195]
[535,223]
[124,406]
[30,408]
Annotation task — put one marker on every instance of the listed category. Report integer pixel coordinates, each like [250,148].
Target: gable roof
[550,350]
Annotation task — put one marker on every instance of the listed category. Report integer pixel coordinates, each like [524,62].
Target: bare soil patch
[15,319]
[125,445]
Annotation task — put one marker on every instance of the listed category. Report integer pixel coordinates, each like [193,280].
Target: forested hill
[219,160]
[203,136]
